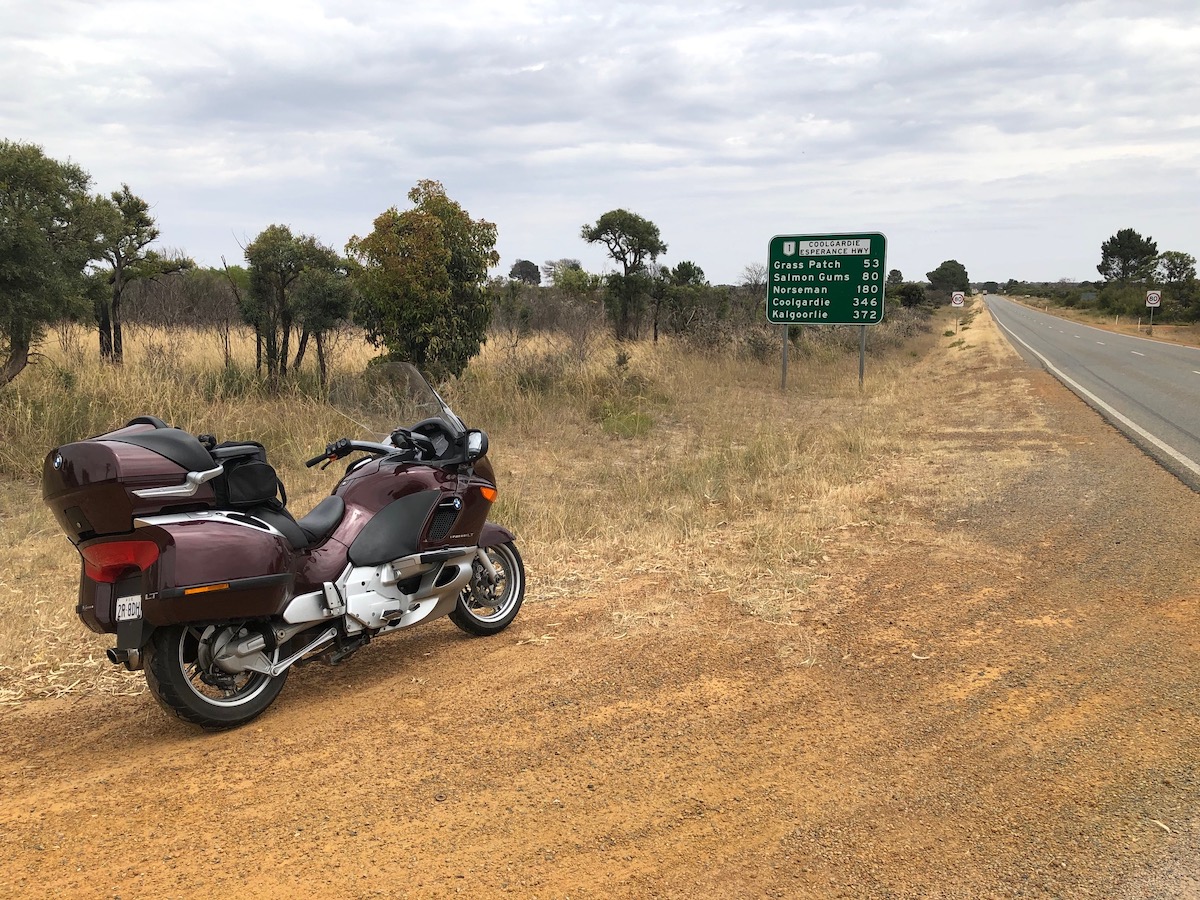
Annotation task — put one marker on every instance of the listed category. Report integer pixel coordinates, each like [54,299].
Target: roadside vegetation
[616,461]
[1130,266]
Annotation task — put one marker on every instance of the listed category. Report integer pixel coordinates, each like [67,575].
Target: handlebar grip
[336,450]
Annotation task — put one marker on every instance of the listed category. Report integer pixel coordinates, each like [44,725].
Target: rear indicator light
[206,589]
[112,561]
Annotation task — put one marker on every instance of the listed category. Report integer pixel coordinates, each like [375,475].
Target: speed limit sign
[957,298]
[1153,298]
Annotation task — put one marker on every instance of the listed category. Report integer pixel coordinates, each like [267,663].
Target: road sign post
[1153,301]
[957,298]
[826,279]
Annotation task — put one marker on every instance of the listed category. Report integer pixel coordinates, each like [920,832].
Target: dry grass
[645,477]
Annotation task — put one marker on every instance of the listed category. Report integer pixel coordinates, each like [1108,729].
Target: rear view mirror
[477,444]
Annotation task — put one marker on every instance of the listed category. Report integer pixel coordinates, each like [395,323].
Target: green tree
[323,296]
[1128,257]
[690,305]
[633,242]
[421,275]
[950,276]
[512,311]
[569,276]
[1177,273]
[675,293]
[553,270]
[894,278]
[128,229]
[911,294]
[1176,267]
[49,232]
[276,259]
[526,272]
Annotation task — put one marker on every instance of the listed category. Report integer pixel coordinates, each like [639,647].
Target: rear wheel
[488,606]
[186,681]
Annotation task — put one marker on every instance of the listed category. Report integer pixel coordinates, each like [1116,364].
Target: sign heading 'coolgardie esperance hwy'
[826,279]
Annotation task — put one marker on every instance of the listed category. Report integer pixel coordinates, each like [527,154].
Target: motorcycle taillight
[112,561]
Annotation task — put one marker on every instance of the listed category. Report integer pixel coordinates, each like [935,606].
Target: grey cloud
[706,113]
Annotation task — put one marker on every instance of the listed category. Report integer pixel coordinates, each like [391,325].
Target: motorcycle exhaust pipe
[131,659]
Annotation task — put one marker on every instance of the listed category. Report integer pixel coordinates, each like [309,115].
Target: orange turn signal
[489,494]
[206,588]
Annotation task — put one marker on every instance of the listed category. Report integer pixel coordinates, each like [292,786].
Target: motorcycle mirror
[477,444]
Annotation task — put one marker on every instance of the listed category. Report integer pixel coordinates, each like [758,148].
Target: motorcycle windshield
[390,396]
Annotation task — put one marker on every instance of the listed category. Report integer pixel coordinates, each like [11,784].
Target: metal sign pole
[783,384]
[862,354]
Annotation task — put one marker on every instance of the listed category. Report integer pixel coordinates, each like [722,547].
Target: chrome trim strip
[223,516]
[189,487]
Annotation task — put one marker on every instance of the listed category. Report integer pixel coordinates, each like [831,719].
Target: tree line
[1130,265]
[417,284]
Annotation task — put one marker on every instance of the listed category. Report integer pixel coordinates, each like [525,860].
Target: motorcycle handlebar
[345,446]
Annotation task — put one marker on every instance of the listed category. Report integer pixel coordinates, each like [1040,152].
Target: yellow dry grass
[642,477]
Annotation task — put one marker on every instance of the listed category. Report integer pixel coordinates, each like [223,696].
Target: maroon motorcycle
[192,560]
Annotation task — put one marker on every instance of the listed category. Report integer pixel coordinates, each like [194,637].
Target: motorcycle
[190,557]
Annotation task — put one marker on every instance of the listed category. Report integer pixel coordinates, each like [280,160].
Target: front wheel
[487,605]
[184,679]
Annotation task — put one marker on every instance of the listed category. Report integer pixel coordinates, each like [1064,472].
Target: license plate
[129,608]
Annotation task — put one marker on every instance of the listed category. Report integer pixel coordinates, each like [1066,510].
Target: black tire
[486,608]
[176,679]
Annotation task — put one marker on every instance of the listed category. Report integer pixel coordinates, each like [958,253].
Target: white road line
[1102,344]
[1184,461]
[1135,353]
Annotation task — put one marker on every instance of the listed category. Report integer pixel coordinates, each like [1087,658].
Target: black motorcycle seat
[309,531]
[325,516]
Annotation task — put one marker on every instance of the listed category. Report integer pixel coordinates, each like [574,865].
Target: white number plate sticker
[129,608]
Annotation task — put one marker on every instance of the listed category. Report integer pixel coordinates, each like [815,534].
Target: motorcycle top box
[210,584]
[98,486]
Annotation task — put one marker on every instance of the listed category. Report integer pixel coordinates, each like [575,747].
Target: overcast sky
[1011,135]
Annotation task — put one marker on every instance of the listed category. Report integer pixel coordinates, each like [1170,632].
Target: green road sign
[826,279]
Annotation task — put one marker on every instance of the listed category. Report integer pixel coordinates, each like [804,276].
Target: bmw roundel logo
[457,503]
[57,462]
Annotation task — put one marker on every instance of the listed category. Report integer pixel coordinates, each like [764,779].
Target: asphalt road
[1148,389]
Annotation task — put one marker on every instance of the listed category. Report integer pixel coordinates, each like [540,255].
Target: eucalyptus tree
[276,260]
[420,276]
[128,230]
[49,232]
[634,242]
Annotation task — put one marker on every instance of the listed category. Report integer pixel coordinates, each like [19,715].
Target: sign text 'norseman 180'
[826,279]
